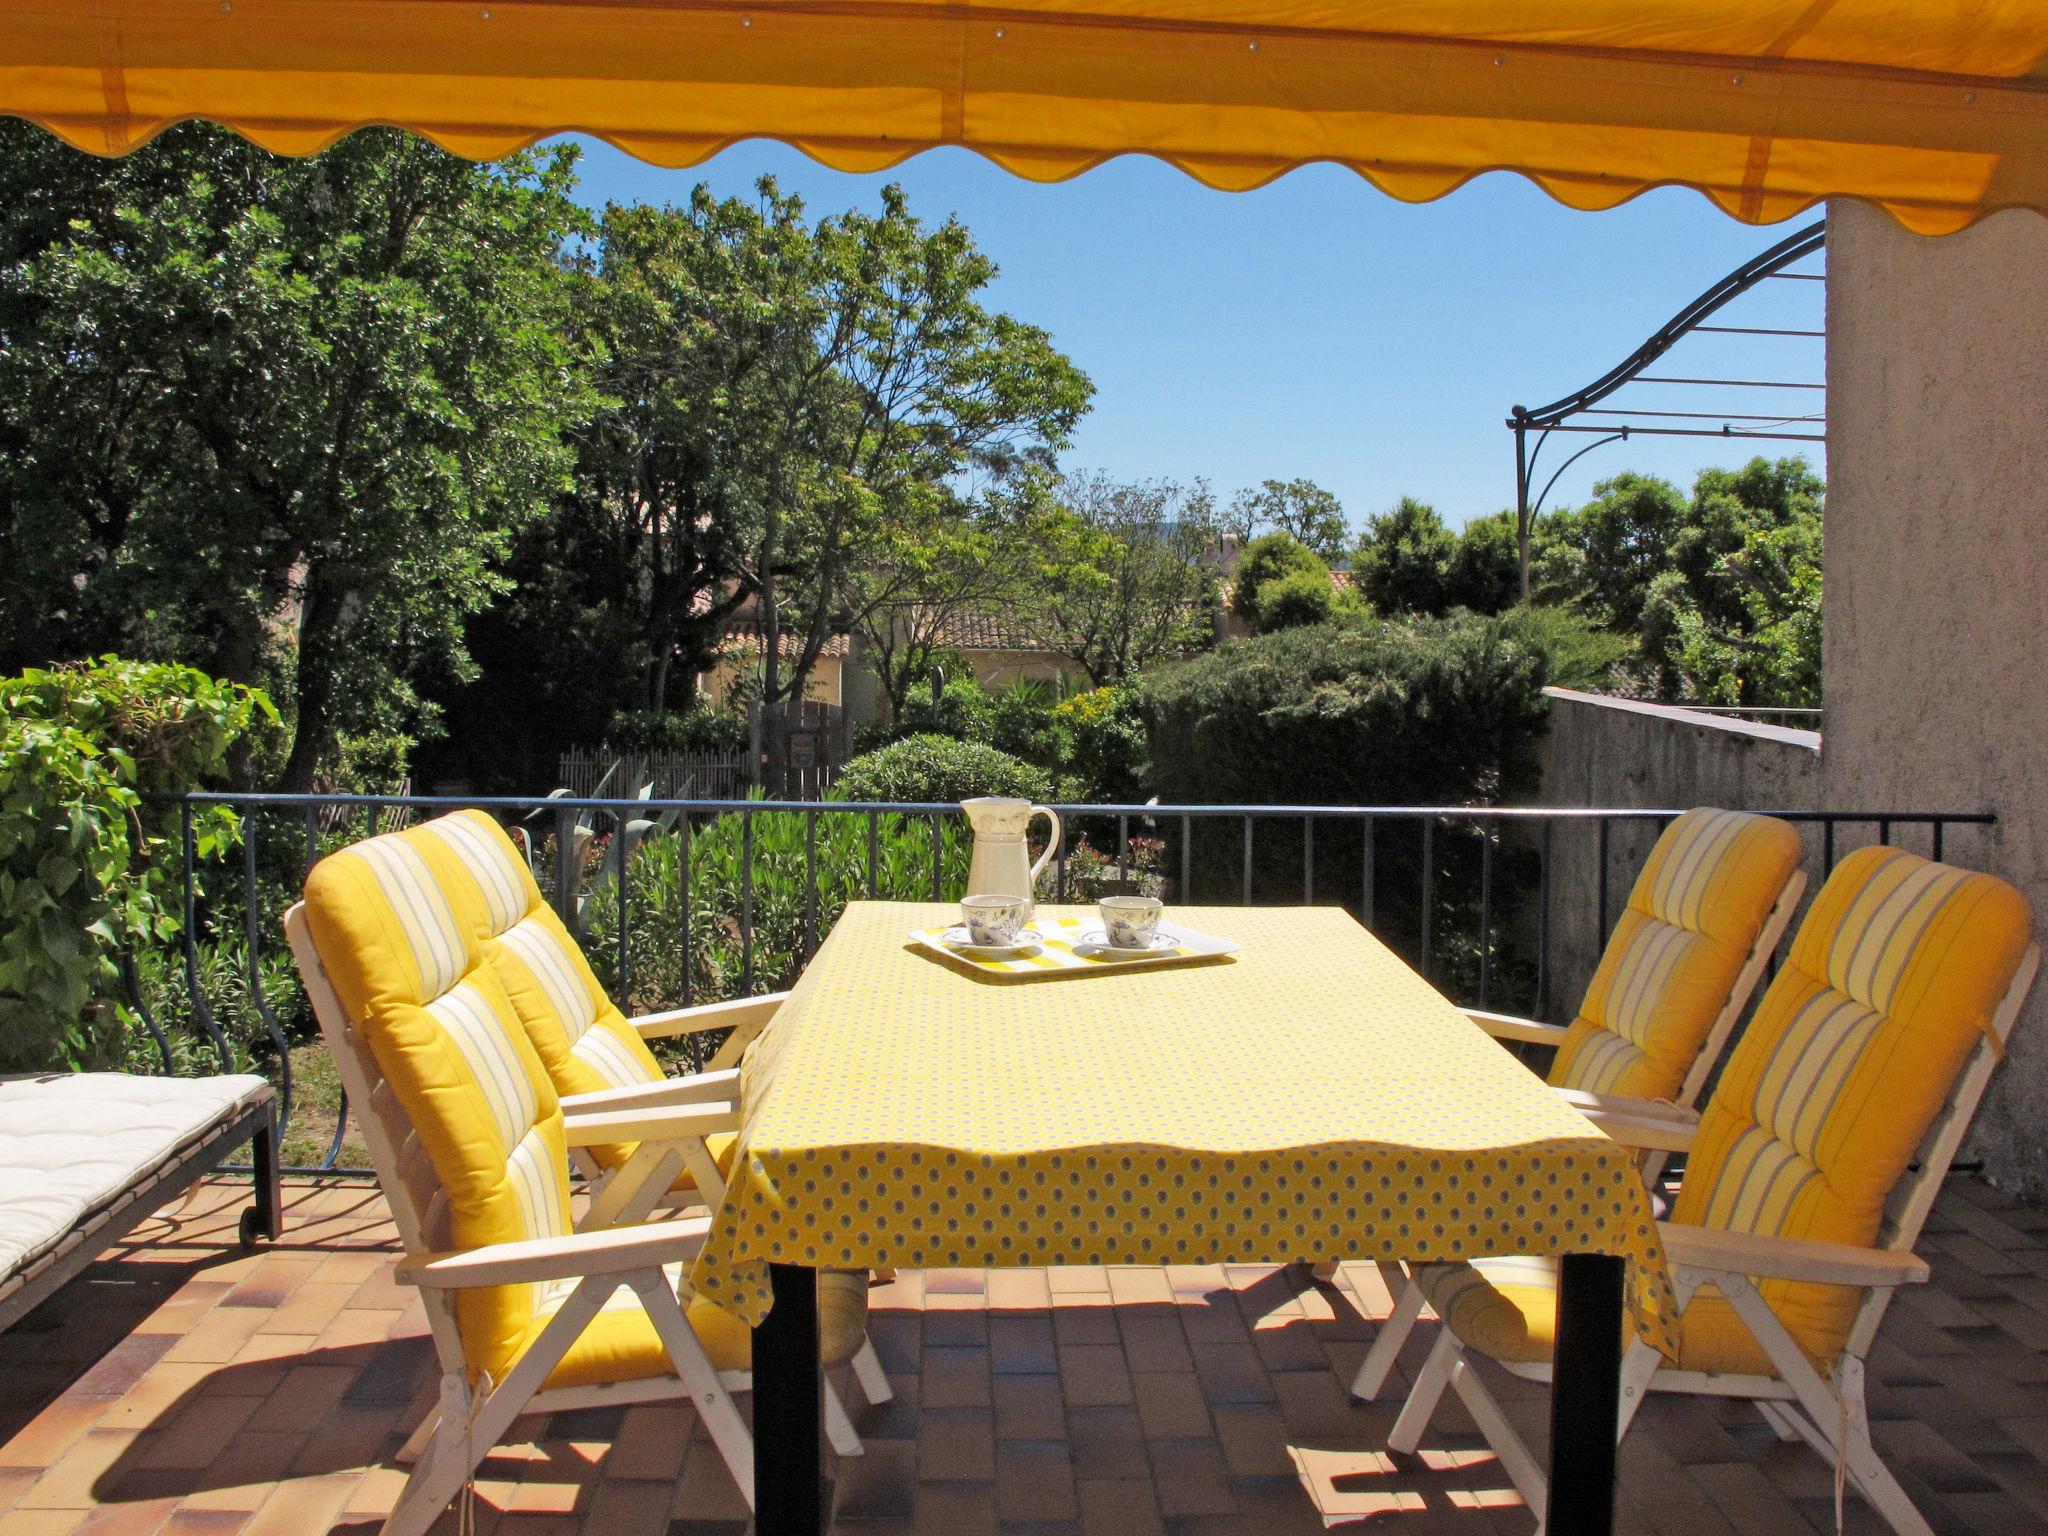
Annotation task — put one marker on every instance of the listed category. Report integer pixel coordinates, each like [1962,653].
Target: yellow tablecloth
[1311,1099]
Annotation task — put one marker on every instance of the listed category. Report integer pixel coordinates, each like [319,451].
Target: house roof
[986,630]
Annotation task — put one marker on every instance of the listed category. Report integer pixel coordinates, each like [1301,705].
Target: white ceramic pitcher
[1002,864]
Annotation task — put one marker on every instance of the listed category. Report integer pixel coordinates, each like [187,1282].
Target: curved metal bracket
[1556,416]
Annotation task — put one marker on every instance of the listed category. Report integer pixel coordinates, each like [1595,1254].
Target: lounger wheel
[250,1227]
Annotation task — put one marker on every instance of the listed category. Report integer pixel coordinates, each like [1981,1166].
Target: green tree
[907,386]
[1273,562]
[1302,508]
[276,417]
[1627,535]
[1721,591]
[1126,574]
[1484,573]
[1403,560]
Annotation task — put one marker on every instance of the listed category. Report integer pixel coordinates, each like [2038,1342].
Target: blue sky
[1318,328]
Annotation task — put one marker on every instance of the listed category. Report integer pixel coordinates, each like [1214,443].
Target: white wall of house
[1936,617]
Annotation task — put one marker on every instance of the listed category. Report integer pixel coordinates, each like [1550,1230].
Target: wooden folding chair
[1809,1175]
[1702,922]
[528,1313]
[598,1059]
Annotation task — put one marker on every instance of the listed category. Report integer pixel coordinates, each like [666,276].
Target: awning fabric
[1935,109]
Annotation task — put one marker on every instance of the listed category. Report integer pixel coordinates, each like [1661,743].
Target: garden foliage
[83,876]
[936,768]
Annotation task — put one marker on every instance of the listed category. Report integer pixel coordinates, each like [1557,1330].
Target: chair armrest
[690,1021]
[1655,1135]
[1505,1026]
[1627,1109]
[699,1088]
[672,1123]
[607,1251]
[1764,1257]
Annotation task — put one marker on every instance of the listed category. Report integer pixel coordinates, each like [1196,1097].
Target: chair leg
[839,1430]
[1838,1412]
[416,1444]
[1515,1457]
[1426,1394]
[435,1481]
[1393,1333]
[713,1403]
[1872,1476]
[867,1370]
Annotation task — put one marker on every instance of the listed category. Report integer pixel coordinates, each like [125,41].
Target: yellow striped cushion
[1854,1049]
[397,920]
[583,1040]
[1507,1308]
[1675,956]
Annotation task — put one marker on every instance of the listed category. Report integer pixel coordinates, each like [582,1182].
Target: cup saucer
[1029,942]
[1094,945]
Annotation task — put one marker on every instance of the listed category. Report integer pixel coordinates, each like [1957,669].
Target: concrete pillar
[1936,618]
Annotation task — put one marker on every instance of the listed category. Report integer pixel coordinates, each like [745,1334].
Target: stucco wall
[1609,752]
[1936,649]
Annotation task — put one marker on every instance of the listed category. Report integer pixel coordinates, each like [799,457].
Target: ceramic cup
[1131,922]
[994,920]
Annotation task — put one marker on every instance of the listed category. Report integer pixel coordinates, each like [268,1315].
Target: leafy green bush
[81,748]
[1271,558]
[1106,755]
[932,768]
[1378,712]
[1301,597]
[716,960]
[713,732]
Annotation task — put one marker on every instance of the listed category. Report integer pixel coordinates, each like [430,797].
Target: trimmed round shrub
[1268,559]
[1300,597]
[935,768]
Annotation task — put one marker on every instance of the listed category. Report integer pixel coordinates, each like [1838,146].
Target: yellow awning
[1935,109]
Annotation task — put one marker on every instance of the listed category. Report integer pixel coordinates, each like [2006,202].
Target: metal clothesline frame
[1533,428]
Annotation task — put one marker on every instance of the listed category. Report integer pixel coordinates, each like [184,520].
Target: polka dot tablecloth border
[1316,1100]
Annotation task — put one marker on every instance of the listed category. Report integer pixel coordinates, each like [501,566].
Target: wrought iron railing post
[1428,889]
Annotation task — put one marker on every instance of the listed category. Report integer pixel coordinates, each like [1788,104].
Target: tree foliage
[1301,508]
[275,417]
[1126,574]
[1403,560]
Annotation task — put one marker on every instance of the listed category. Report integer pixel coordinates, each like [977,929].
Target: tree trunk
[313,685]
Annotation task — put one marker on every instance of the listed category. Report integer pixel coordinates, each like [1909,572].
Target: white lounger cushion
[71,1142]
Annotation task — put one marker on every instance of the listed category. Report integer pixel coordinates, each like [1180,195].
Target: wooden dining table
[1309,1098]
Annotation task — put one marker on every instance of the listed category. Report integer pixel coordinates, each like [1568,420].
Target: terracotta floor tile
[1041,1404]
[1232,1373]
[1106,1442]
[957,1445]
[1092,1279]
[1022,1344]
[1029,1408]
[1019,1289]
[1085,1319]
[1094,1375]
[1170,1403]
[956,1378]
[73,1479]
[1034,1481]
[1190,1478]
[39,1522]
[1122,1506]
[955,1509]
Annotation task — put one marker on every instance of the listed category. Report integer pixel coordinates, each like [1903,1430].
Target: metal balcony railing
[684,901]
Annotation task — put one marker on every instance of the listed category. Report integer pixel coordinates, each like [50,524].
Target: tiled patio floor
[188,1388]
